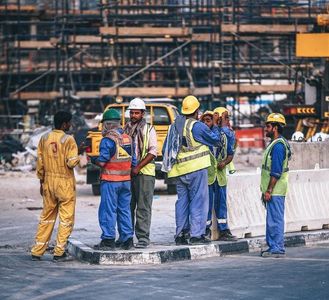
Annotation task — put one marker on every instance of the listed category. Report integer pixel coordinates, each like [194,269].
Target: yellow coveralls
[57,156]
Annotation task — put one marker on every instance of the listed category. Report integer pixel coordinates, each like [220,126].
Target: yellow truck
[158,114]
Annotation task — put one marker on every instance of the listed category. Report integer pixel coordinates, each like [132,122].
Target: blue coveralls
[115,198]
[192,189]
[217,193]
[275,207]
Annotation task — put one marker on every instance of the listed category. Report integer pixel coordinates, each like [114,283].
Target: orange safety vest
[119,167]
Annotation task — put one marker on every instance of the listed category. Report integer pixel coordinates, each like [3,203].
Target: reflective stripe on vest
[149,169]
[281,186]
[192,157]
[119,167]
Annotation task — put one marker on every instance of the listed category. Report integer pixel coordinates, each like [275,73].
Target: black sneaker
[199,240]
[181,240]
[35,257]
[128,244]
[272,254]
[62,258]
[118,243]
[106,245]
[141,244]
[227,236]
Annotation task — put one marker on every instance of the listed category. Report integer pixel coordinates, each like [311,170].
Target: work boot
[62,258]
[199,240]
[35,257]
[142,244]
[105,245]
[227,236]
[272,254]
[128,244]
[118,243]
[181,240]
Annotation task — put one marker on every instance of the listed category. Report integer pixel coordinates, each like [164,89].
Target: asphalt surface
[303,274]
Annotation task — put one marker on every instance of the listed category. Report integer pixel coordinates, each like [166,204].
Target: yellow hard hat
[276,118]
[207,112]
[190,105]
[220,110]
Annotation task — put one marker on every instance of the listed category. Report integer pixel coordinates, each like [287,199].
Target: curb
[153,255]
[159,254]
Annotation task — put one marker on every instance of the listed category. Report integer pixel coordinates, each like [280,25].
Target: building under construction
[83,54]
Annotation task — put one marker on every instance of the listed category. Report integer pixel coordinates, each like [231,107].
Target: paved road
[303,274]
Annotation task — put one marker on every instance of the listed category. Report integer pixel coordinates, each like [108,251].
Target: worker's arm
[230,147]
[40,165]
[151,153]
[107,149]
[204,135]
[278,155]
[222,164]
[72,157]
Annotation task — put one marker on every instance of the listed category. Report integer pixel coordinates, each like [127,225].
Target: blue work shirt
[202,134]
[278,155]
[230,139]
[107,149]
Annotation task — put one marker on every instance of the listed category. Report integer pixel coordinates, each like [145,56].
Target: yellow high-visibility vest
[193,157]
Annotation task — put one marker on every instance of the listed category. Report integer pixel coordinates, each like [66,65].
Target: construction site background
[81,55]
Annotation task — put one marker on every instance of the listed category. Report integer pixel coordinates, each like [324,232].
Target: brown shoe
[227,236]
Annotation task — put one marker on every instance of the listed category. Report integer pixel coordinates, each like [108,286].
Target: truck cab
[159,114]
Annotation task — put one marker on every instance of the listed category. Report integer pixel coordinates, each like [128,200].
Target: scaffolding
[82,55]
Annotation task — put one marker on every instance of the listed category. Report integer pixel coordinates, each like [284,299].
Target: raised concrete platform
[158,254]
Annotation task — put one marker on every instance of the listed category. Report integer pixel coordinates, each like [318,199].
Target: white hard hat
[298,136]
[319,137]
[137,103]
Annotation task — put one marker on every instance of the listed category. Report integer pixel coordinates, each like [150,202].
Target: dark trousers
[142,189]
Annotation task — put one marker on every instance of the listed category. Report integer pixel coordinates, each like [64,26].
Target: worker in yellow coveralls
[57,156]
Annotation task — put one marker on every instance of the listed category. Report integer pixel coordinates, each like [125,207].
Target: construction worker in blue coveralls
[190,171]
[116,159]
[274,184]
[217,179]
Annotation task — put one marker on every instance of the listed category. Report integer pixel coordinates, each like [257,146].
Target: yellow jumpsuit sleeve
[72,157]
[40,164]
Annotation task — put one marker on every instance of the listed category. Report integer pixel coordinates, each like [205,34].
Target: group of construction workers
[196,153]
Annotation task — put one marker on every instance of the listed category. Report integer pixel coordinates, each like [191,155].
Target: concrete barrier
[307,204]
[306,155]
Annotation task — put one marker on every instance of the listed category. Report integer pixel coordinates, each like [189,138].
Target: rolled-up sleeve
[152,146]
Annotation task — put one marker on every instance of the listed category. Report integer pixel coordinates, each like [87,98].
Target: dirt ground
[21,205]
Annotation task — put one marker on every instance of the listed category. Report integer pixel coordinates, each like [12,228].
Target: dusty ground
[21,205]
